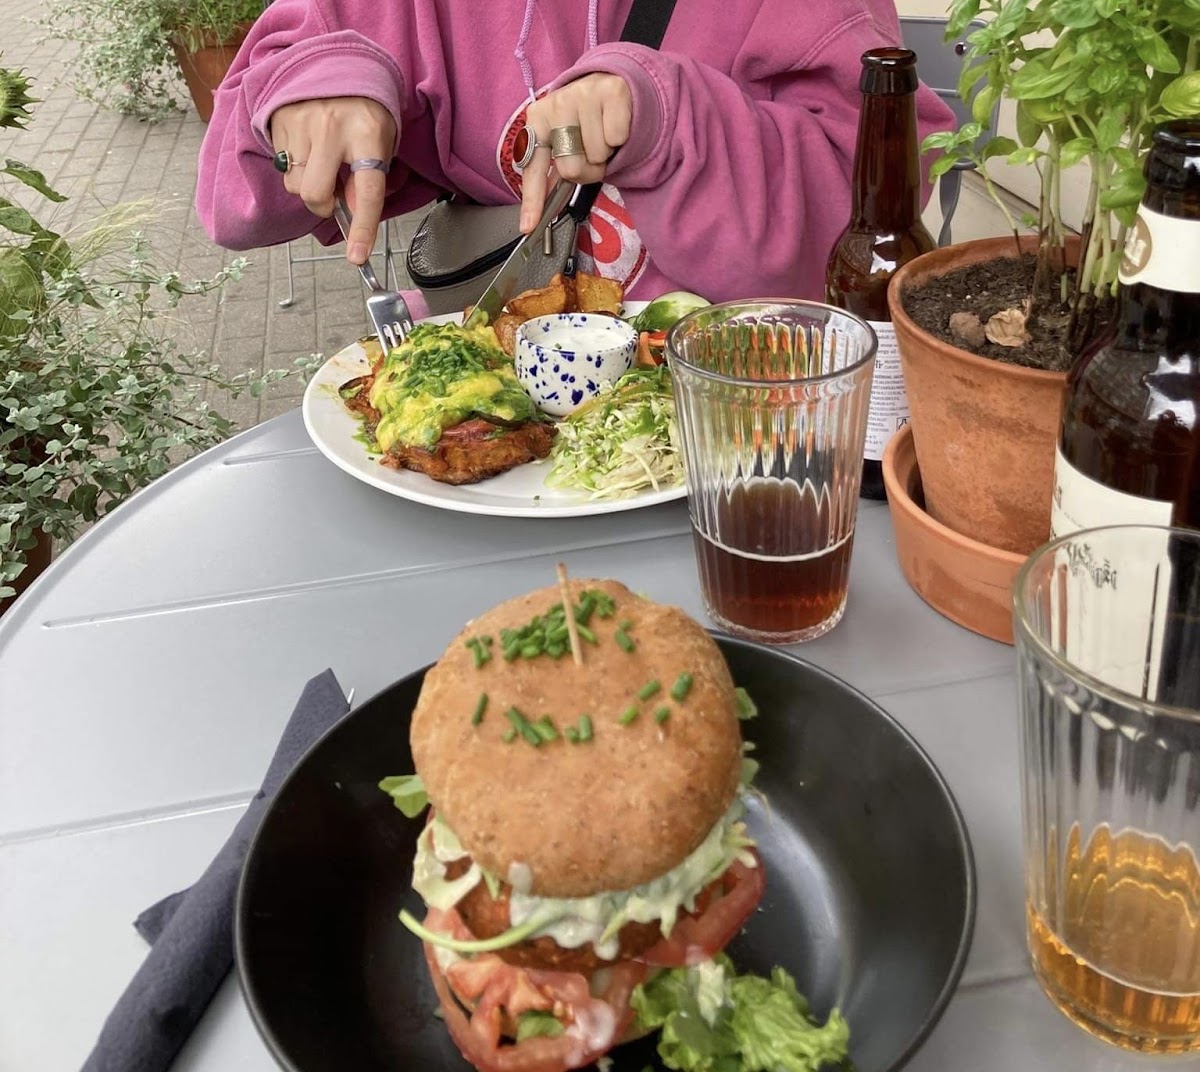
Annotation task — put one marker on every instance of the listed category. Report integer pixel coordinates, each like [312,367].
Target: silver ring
[532,145]
[369,163]
[566,141]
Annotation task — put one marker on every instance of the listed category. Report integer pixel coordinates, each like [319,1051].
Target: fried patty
[487,917]
[475,450]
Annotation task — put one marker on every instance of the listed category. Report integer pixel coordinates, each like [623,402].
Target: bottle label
[889,402]
[1080,502]
[1163,251]
[1128,657]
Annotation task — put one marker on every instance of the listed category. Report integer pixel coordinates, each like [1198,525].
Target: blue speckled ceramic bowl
[565,359]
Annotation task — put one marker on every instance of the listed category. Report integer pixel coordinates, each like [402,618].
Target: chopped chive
[523,726]
[626,624]
[628,715]
[571,734]
[510,735]
[662,714]
[586,633]
[623,641]
[556,650]
[487,640]
[531,650]
[649,689]
[480,707]
[478,652]
[544,727]
[682,686]
[585,727]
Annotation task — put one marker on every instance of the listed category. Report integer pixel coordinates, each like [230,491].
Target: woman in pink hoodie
[735,139]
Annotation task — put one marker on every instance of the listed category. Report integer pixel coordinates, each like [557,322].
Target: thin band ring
[525,144]
[566,141]
[283,163]
[370,163]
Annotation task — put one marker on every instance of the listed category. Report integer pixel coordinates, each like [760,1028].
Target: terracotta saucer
[969,582]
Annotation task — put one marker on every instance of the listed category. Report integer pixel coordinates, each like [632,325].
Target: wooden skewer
[569,614]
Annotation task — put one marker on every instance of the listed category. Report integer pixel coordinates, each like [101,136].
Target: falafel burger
[583,762]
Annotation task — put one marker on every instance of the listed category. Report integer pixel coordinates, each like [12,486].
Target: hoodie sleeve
[292,54]
[740,183]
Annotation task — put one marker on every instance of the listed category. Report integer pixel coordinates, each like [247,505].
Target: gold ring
[566,141]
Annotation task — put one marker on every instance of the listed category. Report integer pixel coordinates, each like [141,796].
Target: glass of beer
[1108,648]
[772,406]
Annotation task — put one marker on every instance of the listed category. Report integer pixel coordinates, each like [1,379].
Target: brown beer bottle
[1129,447]
[884,233]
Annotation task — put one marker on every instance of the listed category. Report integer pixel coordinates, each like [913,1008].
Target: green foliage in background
[1090,80]
[97,397]
[124,59]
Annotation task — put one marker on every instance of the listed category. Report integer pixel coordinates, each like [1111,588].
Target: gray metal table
[144,681]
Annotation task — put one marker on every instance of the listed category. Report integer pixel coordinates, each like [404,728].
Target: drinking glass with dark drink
[772,407]
[1107,626]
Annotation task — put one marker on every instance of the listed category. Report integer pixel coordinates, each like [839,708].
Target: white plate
[521,492]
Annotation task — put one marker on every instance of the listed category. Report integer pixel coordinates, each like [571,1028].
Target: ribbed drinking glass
[1108,647]
[772,400]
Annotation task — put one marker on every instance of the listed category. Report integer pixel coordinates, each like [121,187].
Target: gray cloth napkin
[191,932]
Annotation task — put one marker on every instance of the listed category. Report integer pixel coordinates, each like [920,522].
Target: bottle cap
[888,72]
[1174,159]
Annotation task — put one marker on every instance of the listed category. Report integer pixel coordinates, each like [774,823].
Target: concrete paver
[99,158]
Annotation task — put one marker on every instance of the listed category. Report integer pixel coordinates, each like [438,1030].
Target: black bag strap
[646,24]
[647,21]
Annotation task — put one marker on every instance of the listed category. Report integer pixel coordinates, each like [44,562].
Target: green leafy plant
[125,58]
[97,396]
[1090,80]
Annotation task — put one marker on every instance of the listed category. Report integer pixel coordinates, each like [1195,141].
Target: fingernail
[526,221]
[357,252]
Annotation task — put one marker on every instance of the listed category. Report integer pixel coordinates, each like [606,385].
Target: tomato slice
[696,938]
[598,1021]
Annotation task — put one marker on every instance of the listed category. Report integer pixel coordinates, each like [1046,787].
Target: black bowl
[870,899]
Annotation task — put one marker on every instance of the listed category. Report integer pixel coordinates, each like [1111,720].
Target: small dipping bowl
[565,359]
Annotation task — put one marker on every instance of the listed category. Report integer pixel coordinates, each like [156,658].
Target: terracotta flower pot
[967,581]
[36,561]
[984,430]
[205,66]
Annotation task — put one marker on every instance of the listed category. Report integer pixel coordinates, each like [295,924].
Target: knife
[491,303]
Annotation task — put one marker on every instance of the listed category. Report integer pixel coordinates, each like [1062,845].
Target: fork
[387,309]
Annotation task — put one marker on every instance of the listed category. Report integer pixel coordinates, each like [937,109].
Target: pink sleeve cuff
[350,68]
[651,107]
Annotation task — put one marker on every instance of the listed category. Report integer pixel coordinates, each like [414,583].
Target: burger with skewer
[585,861]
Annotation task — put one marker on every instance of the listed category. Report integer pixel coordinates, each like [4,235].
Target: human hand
[322,135]
[601,106]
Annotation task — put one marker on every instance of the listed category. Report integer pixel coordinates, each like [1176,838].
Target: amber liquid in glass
[758,576]
[1124,960]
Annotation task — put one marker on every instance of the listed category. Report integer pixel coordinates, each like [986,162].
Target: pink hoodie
[734,181]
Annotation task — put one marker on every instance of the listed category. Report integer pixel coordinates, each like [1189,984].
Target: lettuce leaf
[535,1024]
[407,792]
[714,1020]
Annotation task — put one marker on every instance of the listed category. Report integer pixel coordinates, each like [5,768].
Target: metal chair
[389,268]
[940,63]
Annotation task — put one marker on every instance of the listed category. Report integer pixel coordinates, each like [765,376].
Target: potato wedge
[598,295]
[568,281]
[531,303]
[505,328]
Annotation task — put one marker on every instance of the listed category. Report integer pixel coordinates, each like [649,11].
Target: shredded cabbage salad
[621,442]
